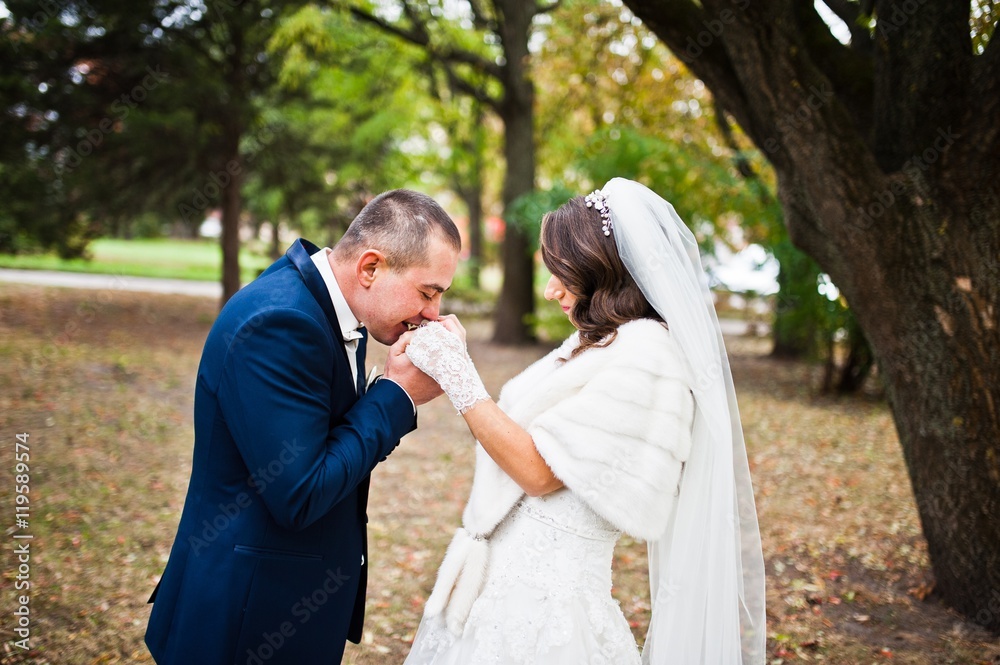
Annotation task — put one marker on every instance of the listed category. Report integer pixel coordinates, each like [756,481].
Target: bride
[630,426]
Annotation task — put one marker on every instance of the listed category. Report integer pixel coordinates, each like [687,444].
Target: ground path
[103,380]
[175,286]
[81,280]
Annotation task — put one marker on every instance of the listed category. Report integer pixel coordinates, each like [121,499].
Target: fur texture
[447,576]
[614,424]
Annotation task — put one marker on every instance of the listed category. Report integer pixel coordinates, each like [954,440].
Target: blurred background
[838,161]
[197,140]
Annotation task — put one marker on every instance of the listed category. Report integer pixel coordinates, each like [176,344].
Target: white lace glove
[441,354]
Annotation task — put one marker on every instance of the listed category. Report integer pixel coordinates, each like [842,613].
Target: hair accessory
[598,201]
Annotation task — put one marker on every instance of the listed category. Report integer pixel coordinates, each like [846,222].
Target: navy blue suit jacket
[269,562]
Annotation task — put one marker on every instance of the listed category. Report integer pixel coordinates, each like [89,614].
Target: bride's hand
[441,354]
[451,322]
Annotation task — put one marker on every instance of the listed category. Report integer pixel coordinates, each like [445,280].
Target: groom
[269,564]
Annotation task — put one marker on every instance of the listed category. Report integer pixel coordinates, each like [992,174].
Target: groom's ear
[370,263]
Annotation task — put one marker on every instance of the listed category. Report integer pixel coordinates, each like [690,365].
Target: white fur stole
[614,425]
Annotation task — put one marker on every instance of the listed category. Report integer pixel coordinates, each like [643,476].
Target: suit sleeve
[275,396]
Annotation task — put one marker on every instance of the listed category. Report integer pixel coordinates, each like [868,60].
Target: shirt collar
[349,323]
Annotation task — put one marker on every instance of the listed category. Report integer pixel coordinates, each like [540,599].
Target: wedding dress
[527,580]
[645,434]
[547,595]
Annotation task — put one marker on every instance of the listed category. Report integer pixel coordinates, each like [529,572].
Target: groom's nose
[432,310]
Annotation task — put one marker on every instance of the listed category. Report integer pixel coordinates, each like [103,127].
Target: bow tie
[352,335]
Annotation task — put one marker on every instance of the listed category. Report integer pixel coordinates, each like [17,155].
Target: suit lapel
[300,254]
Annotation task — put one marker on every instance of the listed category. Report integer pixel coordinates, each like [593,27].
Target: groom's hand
[420,387]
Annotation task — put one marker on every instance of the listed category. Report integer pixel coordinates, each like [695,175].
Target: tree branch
[851,71]
[463,57]
[919,89]
[851,14]
[545,9]
[419,36]
[743,165]
[676,23]
[416,37]
[476,92]
[418,23]
[479,17]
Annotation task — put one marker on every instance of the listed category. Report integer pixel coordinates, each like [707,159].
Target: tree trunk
[920,271]
[859,362]
[275,252]
[230,175]
[232,204]
[476,238]
[888,160]
[512,22]
[468,183]
[517,295]
[942,376]
[472,196]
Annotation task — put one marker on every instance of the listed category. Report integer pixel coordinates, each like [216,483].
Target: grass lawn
[103,384]
[160,257]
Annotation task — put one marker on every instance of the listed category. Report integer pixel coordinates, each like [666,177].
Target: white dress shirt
[349,323]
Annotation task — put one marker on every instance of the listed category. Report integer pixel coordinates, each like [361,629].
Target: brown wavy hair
[575,249]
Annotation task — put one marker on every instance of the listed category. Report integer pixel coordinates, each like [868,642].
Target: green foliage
[527,210]
[124,109]
[36,195]
[802,315]
[345,105]
[615,102]
[983,22]
[159,257]
[700,185]
[806,321]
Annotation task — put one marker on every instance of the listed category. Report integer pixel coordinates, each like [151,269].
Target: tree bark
[887,161]
[230,171]
[468,183]
[476,237]
[275,251]
[511,21]
[517,295]
[232,205]
[472,196]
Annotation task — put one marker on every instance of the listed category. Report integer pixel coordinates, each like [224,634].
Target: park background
[837,161]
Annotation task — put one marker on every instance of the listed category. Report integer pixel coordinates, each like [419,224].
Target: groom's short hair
[399,223]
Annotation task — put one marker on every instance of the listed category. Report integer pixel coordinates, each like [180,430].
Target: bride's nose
[553,290]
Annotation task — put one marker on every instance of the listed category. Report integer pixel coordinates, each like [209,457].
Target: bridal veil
[707,571]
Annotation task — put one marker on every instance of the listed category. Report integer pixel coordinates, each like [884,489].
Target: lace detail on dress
[440,354]
[547,597]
